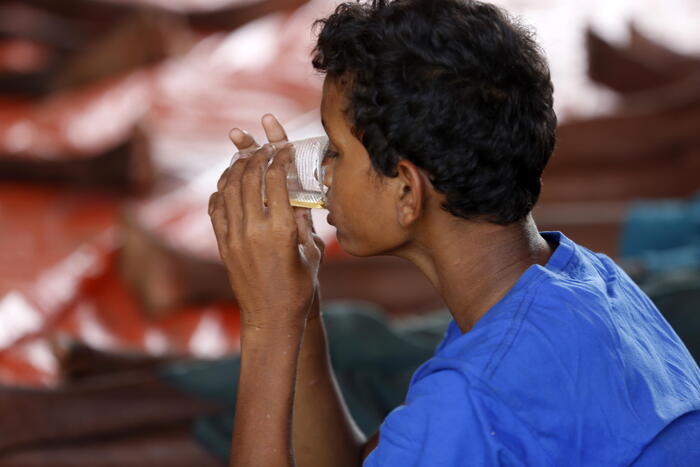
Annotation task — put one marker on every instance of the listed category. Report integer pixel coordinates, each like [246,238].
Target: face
[360,200]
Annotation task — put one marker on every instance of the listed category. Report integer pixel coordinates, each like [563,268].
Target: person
[440,121]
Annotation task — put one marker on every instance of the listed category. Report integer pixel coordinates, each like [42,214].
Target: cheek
[365,221]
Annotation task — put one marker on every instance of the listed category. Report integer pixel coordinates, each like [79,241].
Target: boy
[440,121]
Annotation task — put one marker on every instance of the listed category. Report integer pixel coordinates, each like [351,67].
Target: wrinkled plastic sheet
[58,276]
[190,5]
[58,279]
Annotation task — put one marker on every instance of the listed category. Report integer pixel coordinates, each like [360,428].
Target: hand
[271,252]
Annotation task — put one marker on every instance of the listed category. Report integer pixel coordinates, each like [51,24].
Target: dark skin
[289,411]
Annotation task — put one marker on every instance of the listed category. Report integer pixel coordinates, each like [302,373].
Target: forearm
[272,288]
[262,427]
[323,431]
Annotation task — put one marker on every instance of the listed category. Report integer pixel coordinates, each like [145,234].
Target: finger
[221,184]
[304,223]
[307,231]
[276,191]
[320,244]
[231,196]
[274,129]
[211,204]
[243,140]
[312,245]
[252,184]
[217,213]
[222,179]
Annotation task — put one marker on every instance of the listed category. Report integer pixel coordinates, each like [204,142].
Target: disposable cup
[305,176]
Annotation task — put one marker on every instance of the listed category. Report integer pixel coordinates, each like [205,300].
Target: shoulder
[551,370]
[452,416]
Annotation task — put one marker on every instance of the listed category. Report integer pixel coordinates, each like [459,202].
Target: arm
[276,293]
[323,431]
[370,444]
[272,260]
[262,428]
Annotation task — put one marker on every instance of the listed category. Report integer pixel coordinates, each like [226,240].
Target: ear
[411,185]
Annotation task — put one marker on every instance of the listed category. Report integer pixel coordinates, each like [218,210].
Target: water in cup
[305,177]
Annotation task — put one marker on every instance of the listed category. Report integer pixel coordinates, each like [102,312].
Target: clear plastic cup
[305,176]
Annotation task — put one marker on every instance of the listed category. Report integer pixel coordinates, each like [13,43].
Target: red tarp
[58,274]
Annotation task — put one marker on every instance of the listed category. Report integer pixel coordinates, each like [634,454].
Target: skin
[289,411]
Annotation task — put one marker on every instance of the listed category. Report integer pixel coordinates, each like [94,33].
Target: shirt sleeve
[447,421]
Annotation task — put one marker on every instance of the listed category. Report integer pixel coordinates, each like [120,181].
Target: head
[430,105]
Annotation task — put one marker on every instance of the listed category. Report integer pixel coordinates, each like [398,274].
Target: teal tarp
[373,360]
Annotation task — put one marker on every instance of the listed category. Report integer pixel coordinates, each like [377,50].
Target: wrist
[277,334]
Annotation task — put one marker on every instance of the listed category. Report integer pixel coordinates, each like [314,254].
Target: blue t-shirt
[574,366]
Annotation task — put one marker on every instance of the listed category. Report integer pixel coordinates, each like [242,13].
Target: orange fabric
[58,279]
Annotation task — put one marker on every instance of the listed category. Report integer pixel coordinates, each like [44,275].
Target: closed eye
[330,154]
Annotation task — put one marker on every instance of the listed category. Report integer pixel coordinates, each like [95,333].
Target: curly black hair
[457,87]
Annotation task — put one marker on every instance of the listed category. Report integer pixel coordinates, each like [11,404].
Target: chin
[355,249]
[346,245]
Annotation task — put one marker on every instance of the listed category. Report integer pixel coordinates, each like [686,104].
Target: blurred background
[118,330]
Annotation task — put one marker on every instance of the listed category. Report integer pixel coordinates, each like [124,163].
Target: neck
[474,264]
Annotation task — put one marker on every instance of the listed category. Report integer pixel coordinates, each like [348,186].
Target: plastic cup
[305,176]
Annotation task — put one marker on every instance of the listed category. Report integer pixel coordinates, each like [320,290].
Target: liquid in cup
[305,176]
